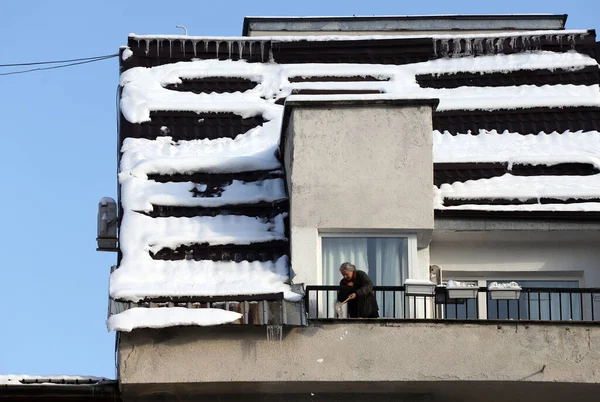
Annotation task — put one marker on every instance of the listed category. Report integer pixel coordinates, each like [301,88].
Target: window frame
[413,262]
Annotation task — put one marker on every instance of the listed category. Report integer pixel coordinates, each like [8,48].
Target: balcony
[421,345]
[552,305]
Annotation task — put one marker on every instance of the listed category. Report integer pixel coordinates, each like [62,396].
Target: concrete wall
[370,357]
[357,168]
[522,254]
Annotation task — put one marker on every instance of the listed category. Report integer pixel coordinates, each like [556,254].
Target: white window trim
[411,246]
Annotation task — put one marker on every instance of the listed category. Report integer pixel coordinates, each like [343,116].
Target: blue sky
[59,154]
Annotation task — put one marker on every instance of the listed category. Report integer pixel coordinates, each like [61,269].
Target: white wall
[519,255]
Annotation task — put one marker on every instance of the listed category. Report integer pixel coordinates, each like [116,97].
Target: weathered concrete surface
[320,356]
[357,168]
[361,167]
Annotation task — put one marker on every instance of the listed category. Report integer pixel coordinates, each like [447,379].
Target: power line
[56,61]
[61,66]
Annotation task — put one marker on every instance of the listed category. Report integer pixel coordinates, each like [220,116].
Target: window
[540,305]
[385,259]
[531,305]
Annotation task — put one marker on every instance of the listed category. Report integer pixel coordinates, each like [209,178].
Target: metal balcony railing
[533,304]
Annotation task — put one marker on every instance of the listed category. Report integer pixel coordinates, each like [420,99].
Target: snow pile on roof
[523,188]
[201,278]
[143,88]
[515,148]
[504,286]
[140,317]
[21,379]
[159,233]
[254,150]
[141,276]
[141,194]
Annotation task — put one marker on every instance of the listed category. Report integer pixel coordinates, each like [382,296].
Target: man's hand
[350,283]
[352,296]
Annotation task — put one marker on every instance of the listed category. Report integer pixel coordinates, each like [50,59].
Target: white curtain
[385,260]
[336,251]
[391,261]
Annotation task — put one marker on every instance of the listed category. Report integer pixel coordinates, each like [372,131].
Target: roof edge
[561,19]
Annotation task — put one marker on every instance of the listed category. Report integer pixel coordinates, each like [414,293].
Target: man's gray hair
[347,267]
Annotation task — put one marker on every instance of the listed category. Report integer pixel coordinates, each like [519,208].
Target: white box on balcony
[461,290]
[419,287]
[504,290]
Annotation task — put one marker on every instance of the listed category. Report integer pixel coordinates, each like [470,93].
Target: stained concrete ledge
[446,391]
[374,354]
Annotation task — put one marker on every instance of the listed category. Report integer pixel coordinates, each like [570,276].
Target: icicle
[241,45]
[489,44]
[271,57]
[159,46]
[206,46]
[218,45]
[499,45]
[526,43]
[251,45]
[229,43]
[468,47]
[194,44]
[183,47]
[435,46]
[147,46]
[445,47]
[458,48]
[262,51]
[571,39]
[274,332]
[170,48]
[478,45]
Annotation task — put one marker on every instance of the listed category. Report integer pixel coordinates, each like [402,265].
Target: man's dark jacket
[365,304]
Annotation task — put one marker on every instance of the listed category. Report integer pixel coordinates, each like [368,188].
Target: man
[358,287]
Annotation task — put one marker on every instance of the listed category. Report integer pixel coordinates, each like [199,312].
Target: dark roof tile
[190,126]
[461,172]
[586,76]
[266,210]
[451,202]
[582,216]
[524,121]
[218,179]
[267,251]
[213,84]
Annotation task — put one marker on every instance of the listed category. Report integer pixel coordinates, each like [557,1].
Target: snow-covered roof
[188,188]
[21,379]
